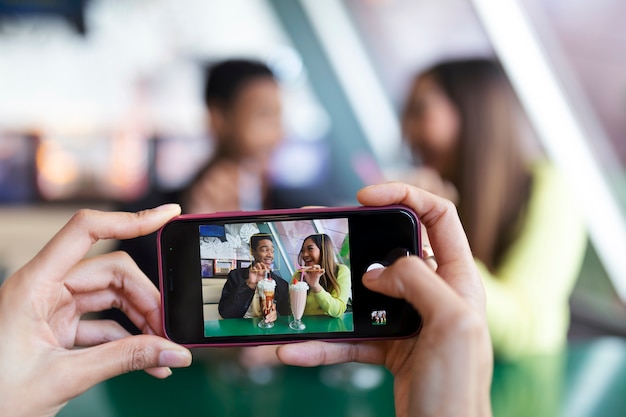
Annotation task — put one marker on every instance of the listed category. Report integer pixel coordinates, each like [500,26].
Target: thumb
[413,280]
[99,363]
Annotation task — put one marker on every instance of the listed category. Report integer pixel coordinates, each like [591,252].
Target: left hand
[48,355]
[272,315]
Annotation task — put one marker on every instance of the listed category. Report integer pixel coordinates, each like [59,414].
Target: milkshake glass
[297,298]
[266,288]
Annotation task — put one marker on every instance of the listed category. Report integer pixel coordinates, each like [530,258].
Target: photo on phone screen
[283,275]
[280,277]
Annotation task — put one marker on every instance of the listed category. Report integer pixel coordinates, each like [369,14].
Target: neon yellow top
[527,295]
[323,302]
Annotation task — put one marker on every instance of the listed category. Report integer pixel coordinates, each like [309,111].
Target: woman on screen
[329,282]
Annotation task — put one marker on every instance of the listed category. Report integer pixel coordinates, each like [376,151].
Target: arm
[236,295]
[335,304]
[531,286]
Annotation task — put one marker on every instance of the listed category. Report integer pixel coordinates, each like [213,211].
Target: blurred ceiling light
[562,134]
[57,171]
[128,165]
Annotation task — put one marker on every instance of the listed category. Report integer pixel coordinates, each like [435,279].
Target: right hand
[446,369]
[257,273]
[312,275]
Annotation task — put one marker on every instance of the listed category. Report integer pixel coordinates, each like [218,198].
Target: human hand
[48,355]
[446,369]
[256,273]
[217,189]
[312,275]
[271,316]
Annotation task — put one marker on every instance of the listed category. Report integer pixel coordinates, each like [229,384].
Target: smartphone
[280,276]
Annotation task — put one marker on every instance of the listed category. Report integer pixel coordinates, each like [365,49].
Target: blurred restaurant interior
[101,104]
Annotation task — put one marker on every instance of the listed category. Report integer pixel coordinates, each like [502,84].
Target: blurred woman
[329,282]
[466,126]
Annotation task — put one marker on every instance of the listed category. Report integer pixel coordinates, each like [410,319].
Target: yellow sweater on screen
[329,303]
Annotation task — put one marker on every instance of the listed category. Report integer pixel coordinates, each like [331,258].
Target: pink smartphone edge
[244,213]
[284,342]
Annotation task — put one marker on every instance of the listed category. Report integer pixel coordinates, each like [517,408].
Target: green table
[589,379]
[248,327]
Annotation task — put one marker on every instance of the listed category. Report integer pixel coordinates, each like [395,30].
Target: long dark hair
[494,175]
[327,261]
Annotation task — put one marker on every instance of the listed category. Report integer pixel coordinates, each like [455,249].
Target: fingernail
[167,207]
[175,358]
[373,274]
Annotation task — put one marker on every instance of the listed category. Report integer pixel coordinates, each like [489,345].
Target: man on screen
[239,295]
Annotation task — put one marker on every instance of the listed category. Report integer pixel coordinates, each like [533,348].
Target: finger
[161,372]
[444,228]
[96,332]
[438,215]
[317,353]
[252,357]
[85,228]
[427,251]
[430,260]
[425,238]
[114,280]
[98,363]
[106,299]
[412,280]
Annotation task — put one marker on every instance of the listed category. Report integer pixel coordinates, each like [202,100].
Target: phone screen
[280,276]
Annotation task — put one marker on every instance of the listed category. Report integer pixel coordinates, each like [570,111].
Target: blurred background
[101,103]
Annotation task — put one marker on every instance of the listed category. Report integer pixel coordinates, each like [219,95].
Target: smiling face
[264,252]
[310,253]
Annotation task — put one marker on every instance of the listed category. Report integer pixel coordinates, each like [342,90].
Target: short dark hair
[225,79]
[255,239]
